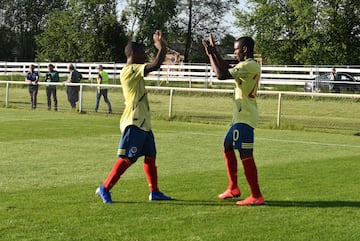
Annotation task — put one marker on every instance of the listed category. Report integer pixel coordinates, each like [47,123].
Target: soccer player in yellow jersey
[240,135]
[137,138]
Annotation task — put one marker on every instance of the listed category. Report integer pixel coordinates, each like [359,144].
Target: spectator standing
[32,78]
[73,91]
[52,76]
[103,78]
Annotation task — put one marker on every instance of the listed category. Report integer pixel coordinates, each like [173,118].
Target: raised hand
[159,42]
[209,45]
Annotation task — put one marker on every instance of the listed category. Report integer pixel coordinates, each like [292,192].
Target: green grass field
[52,162]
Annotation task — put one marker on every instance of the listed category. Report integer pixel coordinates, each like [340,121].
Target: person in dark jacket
[73,91]
[32,78]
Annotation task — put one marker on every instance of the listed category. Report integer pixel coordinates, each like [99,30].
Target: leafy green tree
[7,44]
[62,39]
[184,22]
[103,36]
[303,32]
[143,17]
[88,30]
[25,19]
[199,18]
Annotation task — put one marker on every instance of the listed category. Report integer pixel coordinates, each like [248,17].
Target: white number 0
[236,135]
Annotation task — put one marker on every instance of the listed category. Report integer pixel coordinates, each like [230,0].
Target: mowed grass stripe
[47,184]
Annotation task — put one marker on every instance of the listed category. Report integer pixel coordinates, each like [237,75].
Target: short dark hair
[132,47]
[248,42]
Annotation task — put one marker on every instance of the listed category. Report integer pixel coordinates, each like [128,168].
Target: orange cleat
[251,201]
[230,193]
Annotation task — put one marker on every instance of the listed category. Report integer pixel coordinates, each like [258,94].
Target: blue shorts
[135,142]
[240,136]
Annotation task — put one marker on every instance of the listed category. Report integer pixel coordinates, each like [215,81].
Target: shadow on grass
[181,202]
[313,204]
[269,203]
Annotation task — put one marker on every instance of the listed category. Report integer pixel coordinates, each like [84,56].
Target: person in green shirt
[52,76]
[103,78]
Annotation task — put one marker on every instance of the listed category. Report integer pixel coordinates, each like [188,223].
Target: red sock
[151,173]
[118,169]
[251,175]
[232,168]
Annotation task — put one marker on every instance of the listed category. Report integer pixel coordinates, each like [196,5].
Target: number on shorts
[236,135]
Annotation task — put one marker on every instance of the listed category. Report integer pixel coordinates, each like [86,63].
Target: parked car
[343,82]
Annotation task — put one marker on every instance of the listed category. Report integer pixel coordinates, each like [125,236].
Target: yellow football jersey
[137,110]
[247,76]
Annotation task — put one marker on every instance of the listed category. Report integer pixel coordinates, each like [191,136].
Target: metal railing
[172,90]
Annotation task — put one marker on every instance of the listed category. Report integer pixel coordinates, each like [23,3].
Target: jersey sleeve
[238,72]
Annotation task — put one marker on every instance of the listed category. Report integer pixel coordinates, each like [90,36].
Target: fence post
[278,111]
[158,77]
[7,95]
[80,98]
[206,76]
[170,103]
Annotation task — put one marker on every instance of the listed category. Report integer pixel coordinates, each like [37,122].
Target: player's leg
[248,162]
[130,148]
[231,165]
[150,169]
[117,170]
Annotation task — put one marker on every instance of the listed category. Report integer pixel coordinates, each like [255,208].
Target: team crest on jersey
[133,149]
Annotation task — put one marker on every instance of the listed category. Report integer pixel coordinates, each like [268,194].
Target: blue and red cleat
[158,196]
[104,194]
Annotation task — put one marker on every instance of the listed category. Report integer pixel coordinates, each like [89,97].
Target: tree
[25,19]
[304,32]
[184,22]
[7,44]
[199,18]
[87,30]
[143,17]
[61,41]
[103,36]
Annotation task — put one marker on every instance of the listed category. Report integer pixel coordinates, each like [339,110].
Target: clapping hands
[209,45]
[159,42]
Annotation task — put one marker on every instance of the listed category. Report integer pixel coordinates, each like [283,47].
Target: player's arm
[160,44]
[220,67]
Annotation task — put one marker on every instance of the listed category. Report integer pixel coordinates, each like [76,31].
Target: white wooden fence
[190,73]
[171,90]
